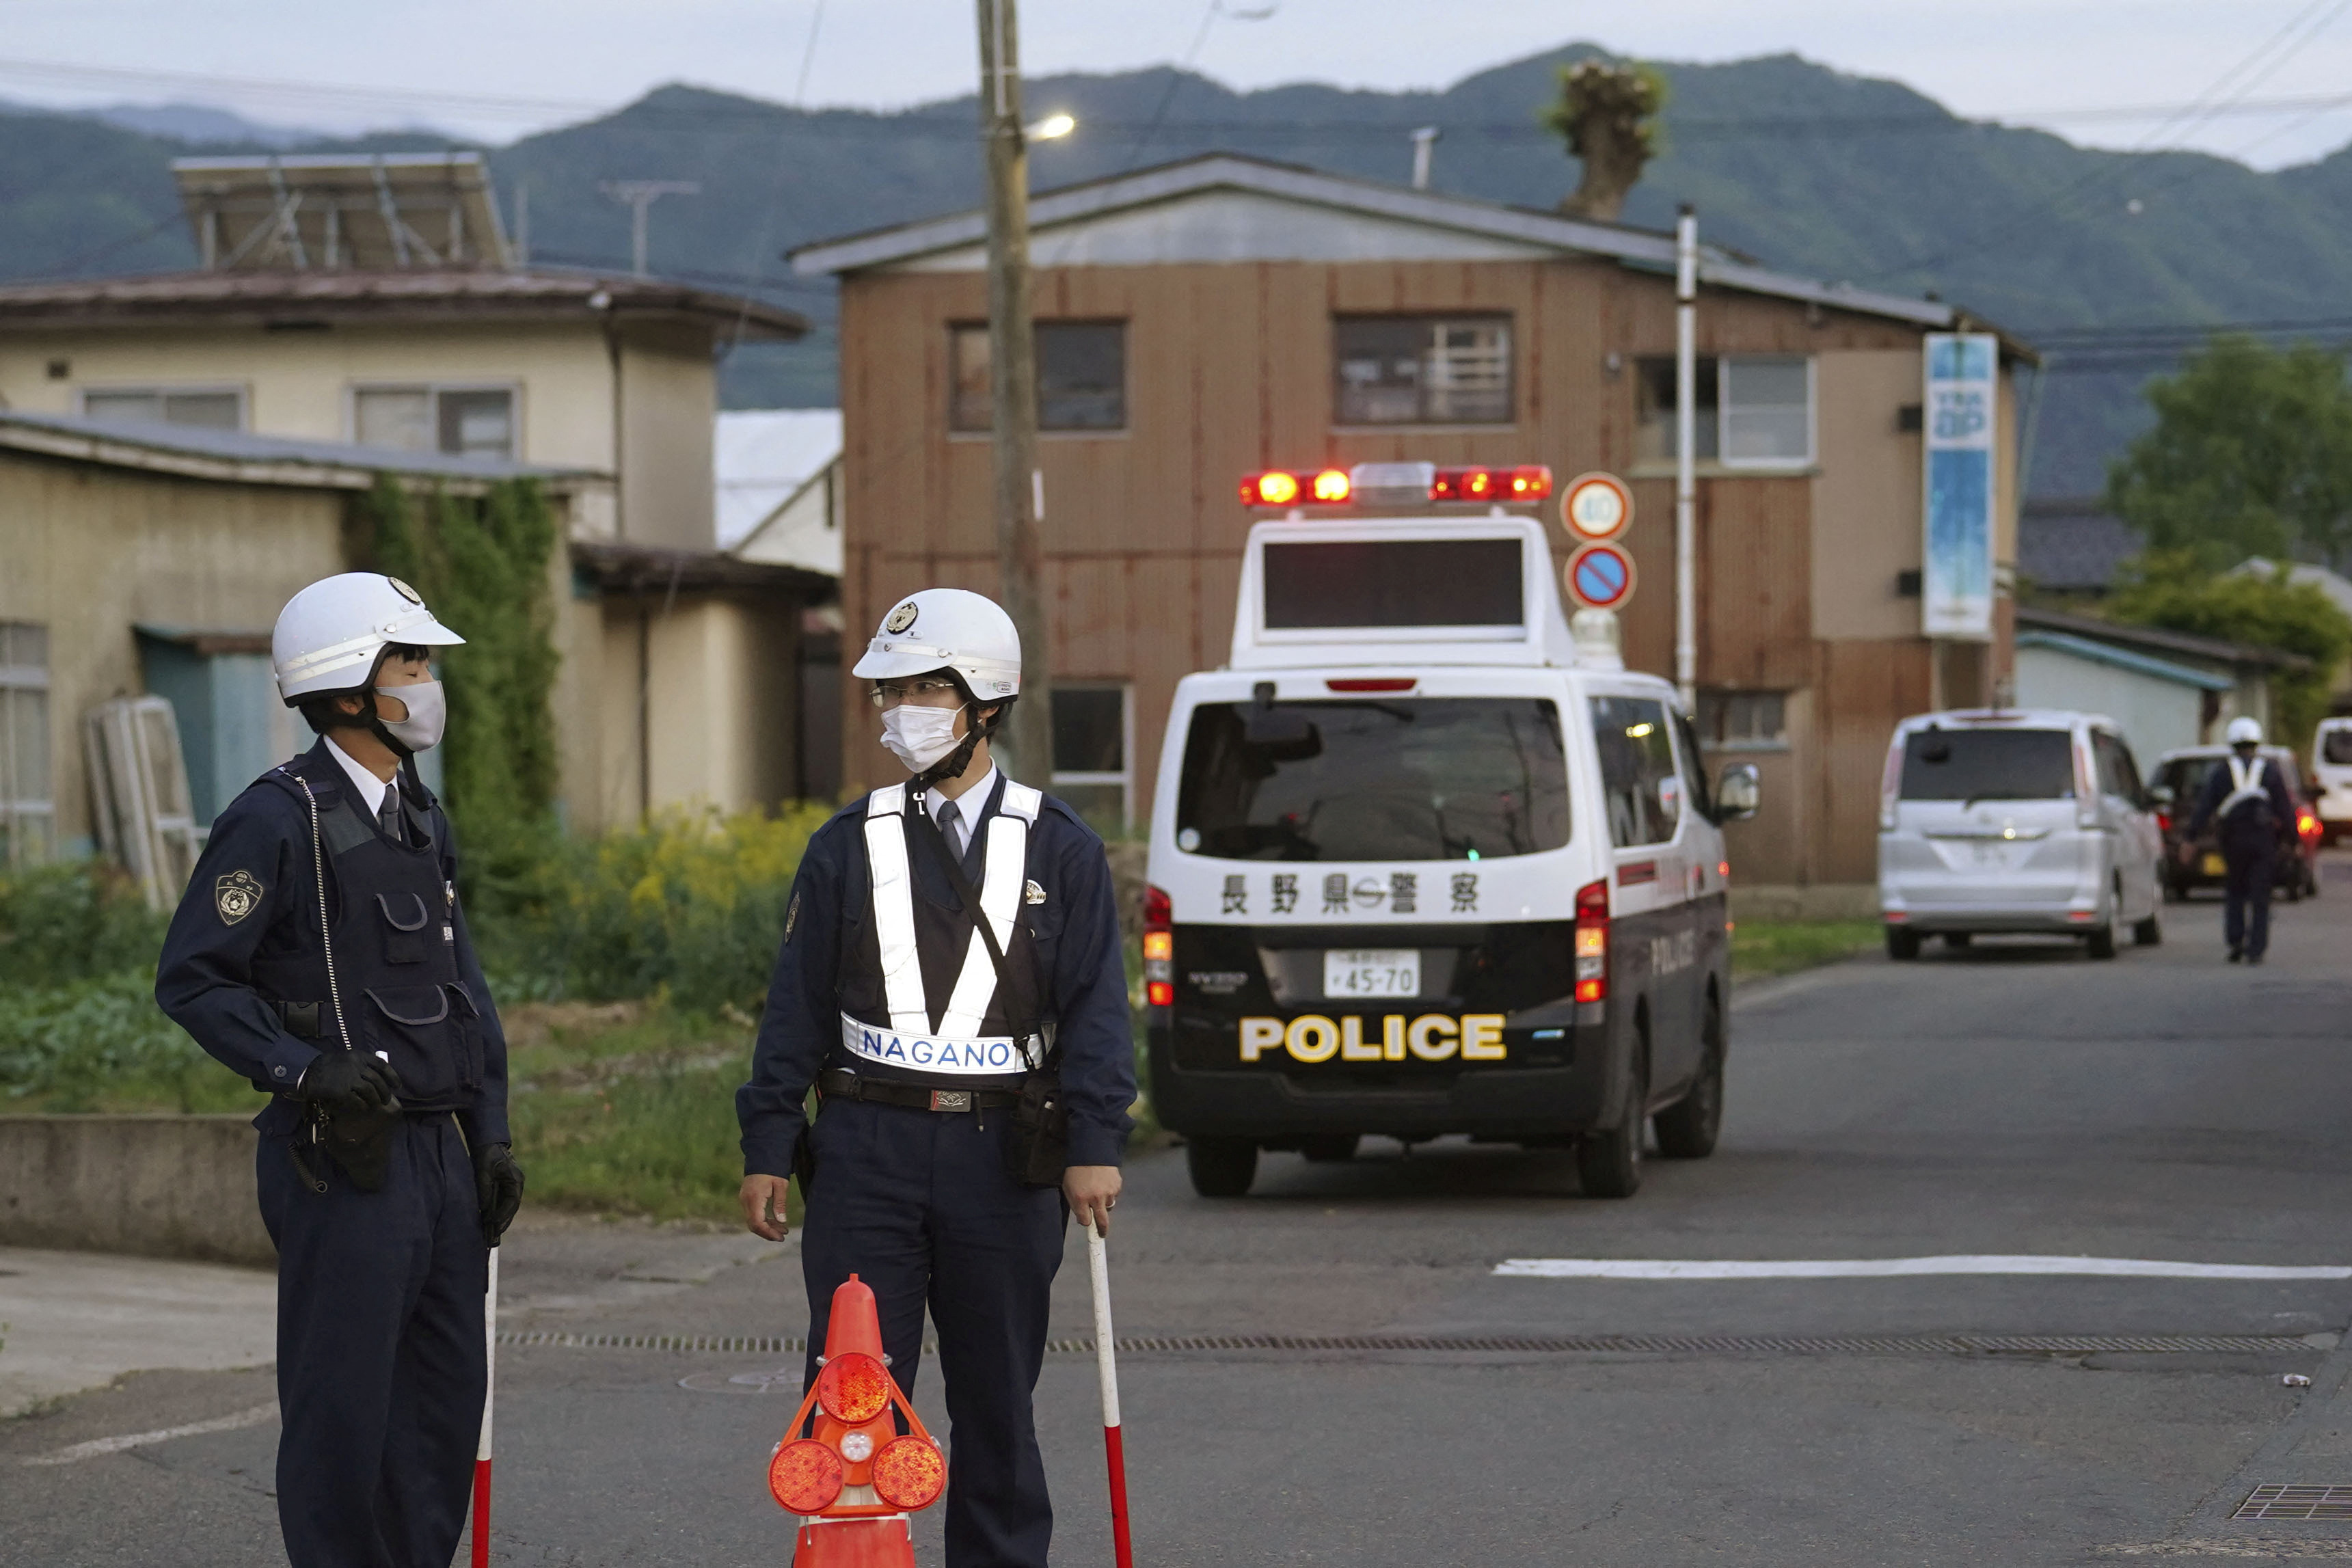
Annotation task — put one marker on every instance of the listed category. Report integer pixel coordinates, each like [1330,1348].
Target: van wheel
[1333,1149]
[1902,942]
[1609,1163]
[2102,942]
[1686,1129]
[2148,932]
[1221,1167]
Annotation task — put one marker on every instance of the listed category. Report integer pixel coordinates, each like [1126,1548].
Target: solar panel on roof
[390,212]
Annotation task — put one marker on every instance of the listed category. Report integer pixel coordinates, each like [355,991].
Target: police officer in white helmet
[2248,800]
[321,954]
[974,1075]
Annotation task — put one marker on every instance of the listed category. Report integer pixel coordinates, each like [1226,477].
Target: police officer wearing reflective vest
[2254,817]
[973,1078]
[321,954]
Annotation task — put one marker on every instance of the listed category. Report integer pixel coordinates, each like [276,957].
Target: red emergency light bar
[1338,487]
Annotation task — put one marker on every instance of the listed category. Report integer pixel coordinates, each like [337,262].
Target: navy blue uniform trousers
[2246,895]
[381,1366]
[919,1205]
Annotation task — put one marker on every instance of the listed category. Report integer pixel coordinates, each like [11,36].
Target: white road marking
[99,1446]
[1888,1268]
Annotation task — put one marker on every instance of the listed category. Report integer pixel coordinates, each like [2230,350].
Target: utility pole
[638,195]
[1687,458]
[1028,733]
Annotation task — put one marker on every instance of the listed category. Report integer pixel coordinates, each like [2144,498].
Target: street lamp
[1051,129]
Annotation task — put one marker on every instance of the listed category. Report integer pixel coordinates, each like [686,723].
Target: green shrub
[67,922]
[689,907]
[102,1042]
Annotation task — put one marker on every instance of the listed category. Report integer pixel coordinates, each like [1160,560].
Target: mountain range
[2113,262]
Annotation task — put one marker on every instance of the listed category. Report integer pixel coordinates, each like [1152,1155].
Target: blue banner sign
[1955,585]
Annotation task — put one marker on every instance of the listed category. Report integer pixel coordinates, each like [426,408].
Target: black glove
[498,1183]
[345,1083]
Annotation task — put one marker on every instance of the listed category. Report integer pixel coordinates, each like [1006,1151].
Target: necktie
[389,814]
[951,827]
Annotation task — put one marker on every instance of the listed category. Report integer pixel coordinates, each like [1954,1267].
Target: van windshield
[1989,764]
[1428,778]
[2336,747]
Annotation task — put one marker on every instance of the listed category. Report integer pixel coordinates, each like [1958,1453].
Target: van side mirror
[1738,793]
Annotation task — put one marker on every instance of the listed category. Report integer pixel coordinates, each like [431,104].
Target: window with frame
[1421,370]
[1081,376]
[1640,786]
[1753,411]
[1093,742]
[27,803]
[1743,721]
[463,421]
[207,408]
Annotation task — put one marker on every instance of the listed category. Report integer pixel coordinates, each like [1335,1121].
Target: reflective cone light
[852,1479]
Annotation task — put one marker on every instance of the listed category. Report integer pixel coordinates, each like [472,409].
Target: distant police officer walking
[974,1077]
[2246,796]
[321,953]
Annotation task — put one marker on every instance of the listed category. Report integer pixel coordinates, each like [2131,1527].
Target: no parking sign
[1599,576]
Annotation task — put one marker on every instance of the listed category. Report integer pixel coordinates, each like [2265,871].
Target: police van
[1423,861]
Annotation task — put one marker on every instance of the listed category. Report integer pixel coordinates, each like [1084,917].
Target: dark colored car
[2190,863]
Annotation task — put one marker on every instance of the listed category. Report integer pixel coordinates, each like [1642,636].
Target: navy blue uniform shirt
[2244,829]
[204,980]
[1086,988]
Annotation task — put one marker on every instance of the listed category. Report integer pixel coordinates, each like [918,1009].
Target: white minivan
[2016,820]
[2331,764]
[1423,864]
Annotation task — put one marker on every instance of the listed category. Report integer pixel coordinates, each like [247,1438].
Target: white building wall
[2155,714]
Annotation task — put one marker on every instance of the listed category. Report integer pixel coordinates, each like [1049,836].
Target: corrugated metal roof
[1234,171]
[761,456]
[201,452]
[2125,658]
[319,294]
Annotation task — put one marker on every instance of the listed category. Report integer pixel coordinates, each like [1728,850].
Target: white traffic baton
[490,1394]
[1106,1366]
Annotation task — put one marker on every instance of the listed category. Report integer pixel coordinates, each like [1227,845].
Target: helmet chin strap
[374,726]
[953,764]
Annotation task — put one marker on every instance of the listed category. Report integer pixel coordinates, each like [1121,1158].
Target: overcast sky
[498,68]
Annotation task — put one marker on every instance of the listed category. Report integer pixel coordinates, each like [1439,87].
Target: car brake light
[1593,942]
[1890,783]
[1158,948]
[2306,824]
[2164,822]
[1371,683]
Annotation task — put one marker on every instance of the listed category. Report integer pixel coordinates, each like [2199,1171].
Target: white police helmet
[2245,731]
[331,634]
[947,628]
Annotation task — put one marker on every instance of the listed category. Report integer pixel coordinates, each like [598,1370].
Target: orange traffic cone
[855,1478]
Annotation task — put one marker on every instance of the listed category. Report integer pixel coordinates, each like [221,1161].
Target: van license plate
[1372,972]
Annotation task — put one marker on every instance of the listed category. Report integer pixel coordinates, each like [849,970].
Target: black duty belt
[301,1018]
[840,1082]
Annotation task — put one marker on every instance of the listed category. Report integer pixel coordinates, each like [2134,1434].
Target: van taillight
[1158,948]
[1890,784]
[1592,942]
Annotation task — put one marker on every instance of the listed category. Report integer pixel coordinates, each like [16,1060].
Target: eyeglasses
[890,693]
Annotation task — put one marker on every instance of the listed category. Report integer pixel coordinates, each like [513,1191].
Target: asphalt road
[2014,1099]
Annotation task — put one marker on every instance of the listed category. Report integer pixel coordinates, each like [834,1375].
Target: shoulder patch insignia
[792,917]
[902,617]
[1037,895]
[237,895]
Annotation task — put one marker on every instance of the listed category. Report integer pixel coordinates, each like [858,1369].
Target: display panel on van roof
[1415,778]
[1989,764]
[1393,582]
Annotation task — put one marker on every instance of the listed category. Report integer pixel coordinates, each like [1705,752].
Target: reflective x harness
[2247,776]
[957,1046]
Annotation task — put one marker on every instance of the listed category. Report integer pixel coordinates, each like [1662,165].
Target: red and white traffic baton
[490,1394]
[1107,1364]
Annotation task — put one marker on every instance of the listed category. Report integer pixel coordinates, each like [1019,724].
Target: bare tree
[1608,114]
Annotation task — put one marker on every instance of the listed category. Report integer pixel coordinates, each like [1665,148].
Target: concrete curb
[152,1187]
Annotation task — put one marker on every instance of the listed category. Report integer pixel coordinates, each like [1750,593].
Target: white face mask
[920,736]
[428,715]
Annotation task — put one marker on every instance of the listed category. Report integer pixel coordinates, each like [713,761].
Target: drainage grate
[1541,1344]
[2281,1501]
